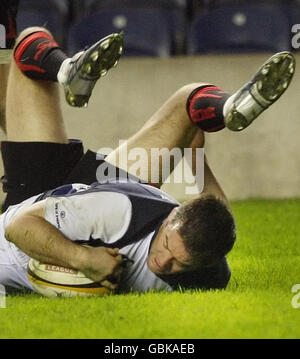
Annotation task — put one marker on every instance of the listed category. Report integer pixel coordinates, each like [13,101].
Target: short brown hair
[207,228]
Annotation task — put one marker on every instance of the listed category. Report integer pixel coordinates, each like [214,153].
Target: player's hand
[103,265]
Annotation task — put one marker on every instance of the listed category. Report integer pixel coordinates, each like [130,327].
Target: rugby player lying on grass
[169,244]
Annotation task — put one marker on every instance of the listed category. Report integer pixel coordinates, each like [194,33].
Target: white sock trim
[62,75]
[227,105]
[63,72]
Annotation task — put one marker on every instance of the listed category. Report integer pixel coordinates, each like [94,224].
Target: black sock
[39,56]
[205,107]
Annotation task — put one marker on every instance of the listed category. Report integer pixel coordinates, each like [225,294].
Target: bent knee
[30,30]
[186,90]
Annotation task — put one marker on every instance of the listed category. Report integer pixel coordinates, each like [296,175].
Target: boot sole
[96,64]
[269,83]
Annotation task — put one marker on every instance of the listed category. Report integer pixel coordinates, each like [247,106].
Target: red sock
[38,56]
[205,108]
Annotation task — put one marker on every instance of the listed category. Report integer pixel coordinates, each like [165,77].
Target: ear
[172,214]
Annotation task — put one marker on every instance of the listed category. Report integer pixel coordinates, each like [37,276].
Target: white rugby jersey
[115,214]
[13,262]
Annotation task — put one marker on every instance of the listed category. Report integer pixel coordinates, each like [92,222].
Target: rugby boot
[86,67]
[266,87]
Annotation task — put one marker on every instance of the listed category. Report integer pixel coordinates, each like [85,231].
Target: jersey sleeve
[85,216]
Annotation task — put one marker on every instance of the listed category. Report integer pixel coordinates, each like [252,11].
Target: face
[167,254]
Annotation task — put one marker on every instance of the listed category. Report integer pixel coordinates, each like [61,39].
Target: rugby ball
[54,281]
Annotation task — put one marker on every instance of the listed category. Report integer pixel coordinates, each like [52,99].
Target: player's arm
[211,185]
[39,239]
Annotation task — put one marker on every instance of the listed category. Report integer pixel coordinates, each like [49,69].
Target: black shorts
[35,167]
[31,168]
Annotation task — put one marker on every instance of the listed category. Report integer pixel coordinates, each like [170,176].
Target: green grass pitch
[265,266]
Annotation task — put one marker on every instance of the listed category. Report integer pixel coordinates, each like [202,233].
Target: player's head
[196,234]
